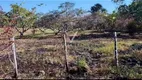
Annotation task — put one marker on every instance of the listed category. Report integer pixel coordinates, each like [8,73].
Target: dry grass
[37,55]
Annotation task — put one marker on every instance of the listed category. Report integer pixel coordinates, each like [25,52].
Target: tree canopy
[23,17]
[67,18]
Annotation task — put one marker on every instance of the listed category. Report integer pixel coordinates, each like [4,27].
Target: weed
[136,46]
[127,72]
[82,63]
[137,54]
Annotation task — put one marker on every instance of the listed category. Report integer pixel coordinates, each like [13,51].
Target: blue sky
[53,4]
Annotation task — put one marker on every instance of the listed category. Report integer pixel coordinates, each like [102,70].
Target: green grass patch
[37,35]
[127,72]
[47,31]
[82,63]
[1,30]
[108,48]
[104,47]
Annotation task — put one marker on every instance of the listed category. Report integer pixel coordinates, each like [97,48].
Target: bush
[127,72]
[138,55]
[136,46]
[132,28]
[82,63]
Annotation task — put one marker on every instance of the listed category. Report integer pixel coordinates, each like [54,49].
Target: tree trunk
[33,31]
[21,34]
[66,53]
[56,33]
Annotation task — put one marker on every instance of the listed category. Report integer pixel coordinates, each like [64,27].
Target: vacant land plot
[90,57]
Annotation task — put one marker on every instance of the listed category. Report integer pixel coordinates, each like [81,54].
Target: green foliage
[118,1]
[24,18]
[66,6]
[132,28]
[4,20]
[137,51]
[136,46]
[97,7]
[50,20]
[69,15]
[135,9]
[62,19]
[123,9]
[81,63]
[132,12]
[137,54]
[127,72]
[111,21]
[37,35]
[107,50]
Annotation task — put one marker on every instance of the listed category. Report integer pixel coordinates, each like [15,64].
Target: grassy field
[90,56]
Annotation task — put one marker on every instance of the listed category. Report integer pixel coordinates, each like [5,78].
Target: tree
[118,1]
[68,15]
[3,18]
[123,9]
[98,8]
[51,21]
[95,20]
[56,20]
[68,18]
[61,21]
[132,28]
[66,10]
[132,12]
[111,21]
[121,1]
[24,18]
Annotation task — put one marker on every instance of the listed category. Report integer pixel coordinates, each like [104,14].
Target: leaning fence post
[73,37]
[14,56]
[66,53]
[115,47]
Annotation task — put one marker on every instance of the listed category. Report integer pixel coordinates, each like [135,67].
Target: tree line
[126,18]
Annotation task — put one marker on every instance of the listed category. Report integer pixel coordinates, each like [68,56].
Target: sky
[50,5]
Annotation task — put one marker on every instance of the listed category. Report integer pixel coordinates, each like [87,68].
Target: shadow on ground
[105,35]
[82,36]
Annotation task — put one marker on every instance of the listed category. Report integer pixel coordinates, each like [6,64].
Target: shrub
[136,46]
[82,66]
[138,55]
[132,28]
[82,63]
[127,72]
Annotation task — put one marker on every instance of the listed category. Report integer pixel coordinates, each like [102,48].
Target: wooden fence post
[73,36]
[14,56]
[66,54]
[115,47]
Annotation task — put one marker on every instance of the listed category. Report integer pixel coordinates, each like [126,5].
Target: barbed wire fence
[7,44]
